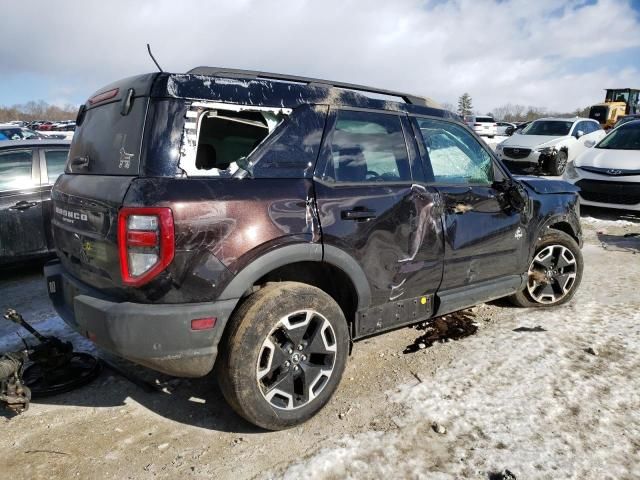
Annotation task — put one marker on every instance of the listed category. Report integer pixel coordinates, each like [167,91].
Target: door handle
[23,205]
[358,214]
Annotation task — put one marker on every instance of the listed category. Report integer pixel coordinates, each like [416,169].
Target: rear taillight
[145,243]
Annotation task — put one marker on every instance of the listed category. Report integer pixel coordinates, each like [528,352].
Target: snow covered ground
[546,394]
[533,402]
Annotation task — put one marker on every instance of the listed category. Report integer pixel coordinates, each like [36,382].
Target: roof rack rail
[232,72]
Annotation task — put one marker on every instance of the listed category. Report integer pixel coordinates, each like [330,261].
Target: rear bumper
[158,336]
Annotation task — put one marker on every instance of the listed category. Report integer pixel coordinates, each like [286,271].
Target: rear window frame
[139,143]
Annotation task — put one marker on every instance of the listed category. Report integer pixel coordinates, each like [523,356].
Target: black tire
[256,340]
[558,163]
[554,241]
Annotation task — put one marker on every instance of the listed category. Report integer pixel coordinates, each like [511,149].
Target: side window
[580,126]
[15,169]
[592,127]
[456,157]
[367,147]
[56,160]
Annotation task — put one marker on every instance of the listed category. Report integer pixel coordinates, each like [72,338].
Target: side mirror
[579,133]
[589,143]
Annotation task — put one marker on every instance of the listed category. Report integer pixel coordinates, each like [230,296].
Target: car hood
[545,186]
[604,158]
[530,141]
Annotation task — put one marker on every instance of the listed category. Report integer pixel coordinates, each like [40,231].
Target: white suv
[482,125]
[548,144]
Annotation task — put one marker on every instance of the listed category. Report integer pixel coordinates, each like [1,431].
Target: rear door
[484,236]
[370,208]
[21,223]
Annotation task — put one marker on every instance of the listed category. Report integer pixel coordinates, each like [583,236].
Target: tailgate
[84,224]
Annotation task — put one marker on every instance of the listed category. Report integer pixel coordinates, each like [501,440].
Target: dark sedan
[28,170]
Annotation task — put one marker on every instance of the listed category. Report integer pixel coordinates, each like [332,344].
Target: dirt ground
[521,394]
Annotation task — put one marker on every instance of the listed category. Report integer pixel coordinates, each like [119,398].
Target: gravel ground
[533,402]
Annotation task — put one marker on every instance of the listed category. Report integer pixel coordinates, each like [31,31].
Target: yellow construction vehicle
[618,102]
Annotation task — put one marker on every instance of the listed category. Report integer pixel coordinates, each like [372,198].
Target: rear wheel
[283,355]
[554,273]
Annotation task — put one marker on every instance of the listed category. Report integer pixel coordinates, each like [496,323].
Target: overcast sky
[558,54]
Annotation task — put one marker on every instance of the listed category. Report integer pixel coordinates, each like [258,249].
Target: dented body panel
[392,252]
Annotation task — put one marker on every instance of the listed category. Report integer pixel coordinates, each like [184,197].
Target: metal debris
[47,368]
[537,328]
[452,326]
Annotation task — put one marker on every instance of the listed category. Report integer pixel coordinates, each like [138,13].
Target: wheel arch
[334,271]
[566,227]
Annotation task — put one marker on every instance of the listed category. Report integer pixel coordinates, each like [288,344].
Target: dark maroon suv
[259,223]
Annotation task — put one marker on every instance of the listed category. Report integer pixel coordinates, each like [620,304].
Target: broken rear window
[219,138]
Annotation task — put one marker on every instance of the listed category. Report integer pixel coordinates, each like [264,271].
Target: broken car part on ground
[46,368]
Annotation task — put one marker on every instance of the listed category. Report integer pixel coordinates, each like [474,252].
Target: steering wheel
[371,175]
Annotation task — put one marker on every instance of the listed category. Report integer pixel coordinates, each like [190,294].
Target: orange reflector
[203,323]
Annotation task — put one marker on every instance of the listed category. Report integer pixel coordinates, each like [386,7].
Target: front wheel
[554,273]
[558,164]
[283,354]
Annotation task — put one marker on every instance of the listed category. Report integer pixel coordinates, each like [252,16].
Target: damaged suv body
[259,223]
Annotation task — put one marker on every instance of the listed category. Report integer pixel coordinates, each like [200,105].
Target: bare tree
[39,110]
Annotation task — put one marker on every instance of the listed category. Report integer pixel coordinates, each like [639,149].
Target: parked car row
[62,126]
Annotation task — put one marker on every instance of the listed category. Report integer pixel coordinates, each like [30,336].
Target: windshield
[627,137]
[551,128]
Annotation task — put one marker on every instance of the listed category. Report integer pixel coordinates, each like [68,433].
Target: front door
[370,208]
[21,224]
[484,235]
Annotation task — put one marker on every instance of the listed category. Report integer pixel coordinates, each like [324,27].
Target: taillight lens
[145,243]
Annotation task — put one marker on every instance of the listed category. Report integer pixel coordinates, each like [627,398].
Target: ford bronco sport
[258,223]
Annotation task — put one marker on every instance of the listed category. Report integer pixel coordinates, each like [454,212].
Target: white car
[482,125]
[548,144]
[503,126]
[609,174]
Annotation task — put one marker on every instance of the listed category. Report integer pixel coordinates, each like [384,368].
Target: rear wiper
[80,162]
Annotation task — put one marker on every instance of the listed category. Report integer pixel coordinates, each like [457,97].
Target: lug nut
[286,364]
[296,368]
[299,347]
[304,357]
[290,350]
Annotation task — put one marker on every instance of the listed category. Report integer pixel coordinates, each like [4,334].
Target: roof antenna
[153,58]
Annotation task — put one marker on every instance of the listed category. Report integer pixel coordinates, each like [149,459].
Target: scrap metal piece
[13,393]
[53,367]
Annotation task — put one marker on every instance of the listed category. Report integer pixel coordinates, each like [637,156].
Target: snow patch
[604,223]
[540,404]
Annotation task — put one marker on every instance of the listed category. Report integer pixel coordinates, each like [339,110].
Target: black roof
[254,88]
[254,74]
[248,87]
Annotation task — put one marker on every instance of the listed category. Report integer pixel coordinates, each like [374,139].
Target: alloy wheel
[552,274]
[296,359]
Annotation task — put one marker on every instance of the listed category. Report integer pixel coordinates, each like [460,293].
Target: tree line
[512,112]
[37,110]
